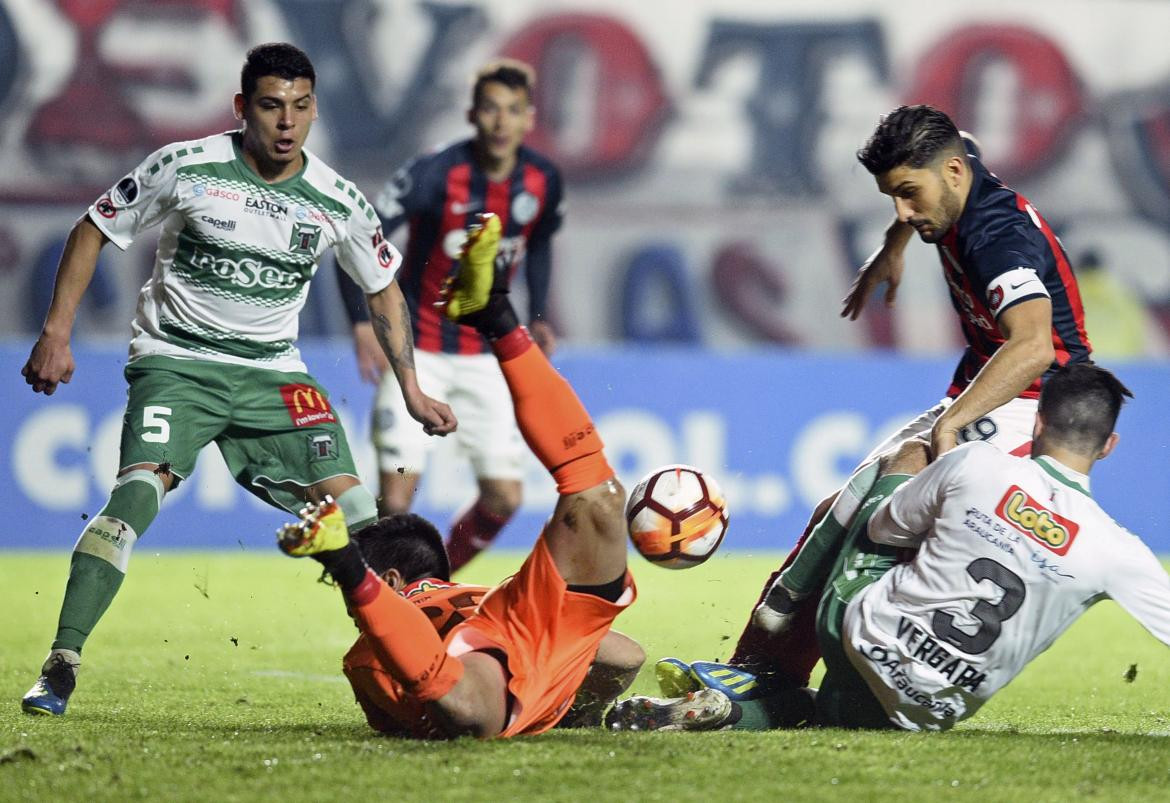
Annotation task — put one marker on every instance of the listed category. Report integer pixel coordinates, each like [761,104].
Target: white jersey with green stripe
[1011,551]
[235,253]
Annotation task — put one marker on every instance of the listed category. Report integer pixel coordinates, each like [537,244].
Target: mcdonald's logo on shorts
[306,405]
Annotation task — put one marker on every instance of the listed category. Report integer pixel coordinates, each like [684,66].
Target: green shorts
[277,431]
[844,698]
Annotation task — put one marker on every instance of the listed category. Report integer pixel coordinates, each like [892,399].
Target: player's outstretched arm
[1025,355]
[884,265]
[391,320]
[51,360]
[371,359]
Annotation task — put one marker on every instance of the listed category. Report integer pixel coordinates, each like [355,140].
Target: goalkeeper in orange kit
[437,659]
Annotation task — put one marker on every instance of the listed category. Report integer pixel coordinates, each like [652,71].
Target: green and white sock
[102,554]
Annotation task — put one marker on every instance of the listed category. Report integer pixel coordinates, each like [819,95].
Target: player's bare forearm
[391,320]
[371,358]
[74,273]
[1024,357]
[1006,375]
[51,360]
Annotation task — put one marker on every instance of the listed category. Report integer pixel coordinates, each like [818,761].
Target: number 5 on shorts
[152,418]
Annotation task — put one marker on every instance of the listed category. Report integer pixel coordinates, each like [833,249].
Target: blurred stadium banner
[713,195]
[778,429]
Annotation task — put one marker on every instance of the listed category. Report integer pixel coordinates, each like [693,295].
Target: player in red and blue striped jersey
[1017,300]
[438,196]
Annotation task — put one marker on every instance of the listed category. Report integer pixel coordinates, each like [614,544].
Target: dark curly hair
[913,136]
[275,58]
[406,542]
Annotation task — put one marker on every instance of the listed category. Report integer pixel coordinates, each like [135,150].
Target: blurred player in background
[1010,553]
[1017,299]
[438,659]
[438,196]
[246,216]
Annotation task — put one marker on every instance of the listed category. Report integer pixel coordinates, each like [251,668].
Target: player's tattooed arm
[399,350]
[391,320]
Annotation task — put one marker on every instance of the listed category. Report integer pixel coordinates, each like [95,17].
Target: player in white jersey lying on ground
[1011,551]
[245,218]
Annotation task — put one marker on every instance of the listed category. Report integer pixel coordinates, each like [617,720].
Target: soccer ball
[677,516]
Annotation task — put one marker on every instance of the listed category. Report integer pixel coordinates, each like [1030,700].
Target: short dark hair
[406,542]
[511,73]
[910,135]
[1080,404]
[275,58]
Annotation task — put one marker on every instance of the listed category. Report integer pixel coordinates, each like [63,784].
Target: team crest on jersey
[995,298]
[322,447]
[306,405]
[524,208]
[1051,530]
[305,237]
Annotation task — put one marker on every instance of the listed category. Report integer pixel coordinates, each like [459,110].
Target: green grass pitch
[215,676]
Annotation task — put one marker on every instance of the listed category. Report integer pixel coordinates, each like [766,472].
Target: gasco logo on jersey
[1051,530]
[246,272]
[214,192]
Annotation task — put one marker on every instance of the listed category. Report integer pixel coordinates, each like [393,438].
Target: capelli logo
[216,223]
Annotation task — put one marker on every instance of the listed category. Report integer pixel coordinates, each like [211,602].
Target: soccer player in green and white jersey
[245,217]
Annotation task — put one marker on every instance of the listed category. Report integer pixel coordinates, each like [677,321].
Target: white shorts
[474,387]
[1009,427]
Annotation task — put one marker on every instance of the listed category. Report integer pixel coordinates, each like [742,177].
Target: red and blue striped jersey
[438,196]
[1001,252]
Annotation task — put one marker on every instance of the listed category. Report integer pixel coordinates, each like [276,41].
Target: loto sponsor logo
[306,405]
[1051,530]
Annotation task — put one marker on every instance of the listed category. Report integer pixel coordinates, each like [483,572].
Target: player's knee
[622,652]
[602,509]
[166,479]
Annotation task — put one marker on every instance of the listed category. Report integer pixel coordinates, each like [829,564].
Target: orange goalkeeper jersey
[386,707]
[548,633]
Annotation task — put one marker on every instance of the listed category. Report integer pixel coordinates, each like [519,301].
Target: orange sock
[552,419]
[406,643]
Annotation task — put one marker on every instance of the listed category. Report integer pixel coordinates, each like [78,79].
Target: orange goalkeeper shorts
[549,633]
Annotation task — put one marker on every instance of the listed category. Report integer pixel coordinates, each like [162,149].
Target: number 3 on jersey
[153,419]
[991,616]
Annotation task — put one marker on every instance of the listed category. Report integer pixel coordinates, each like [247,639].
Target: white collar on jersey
[1065,474]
